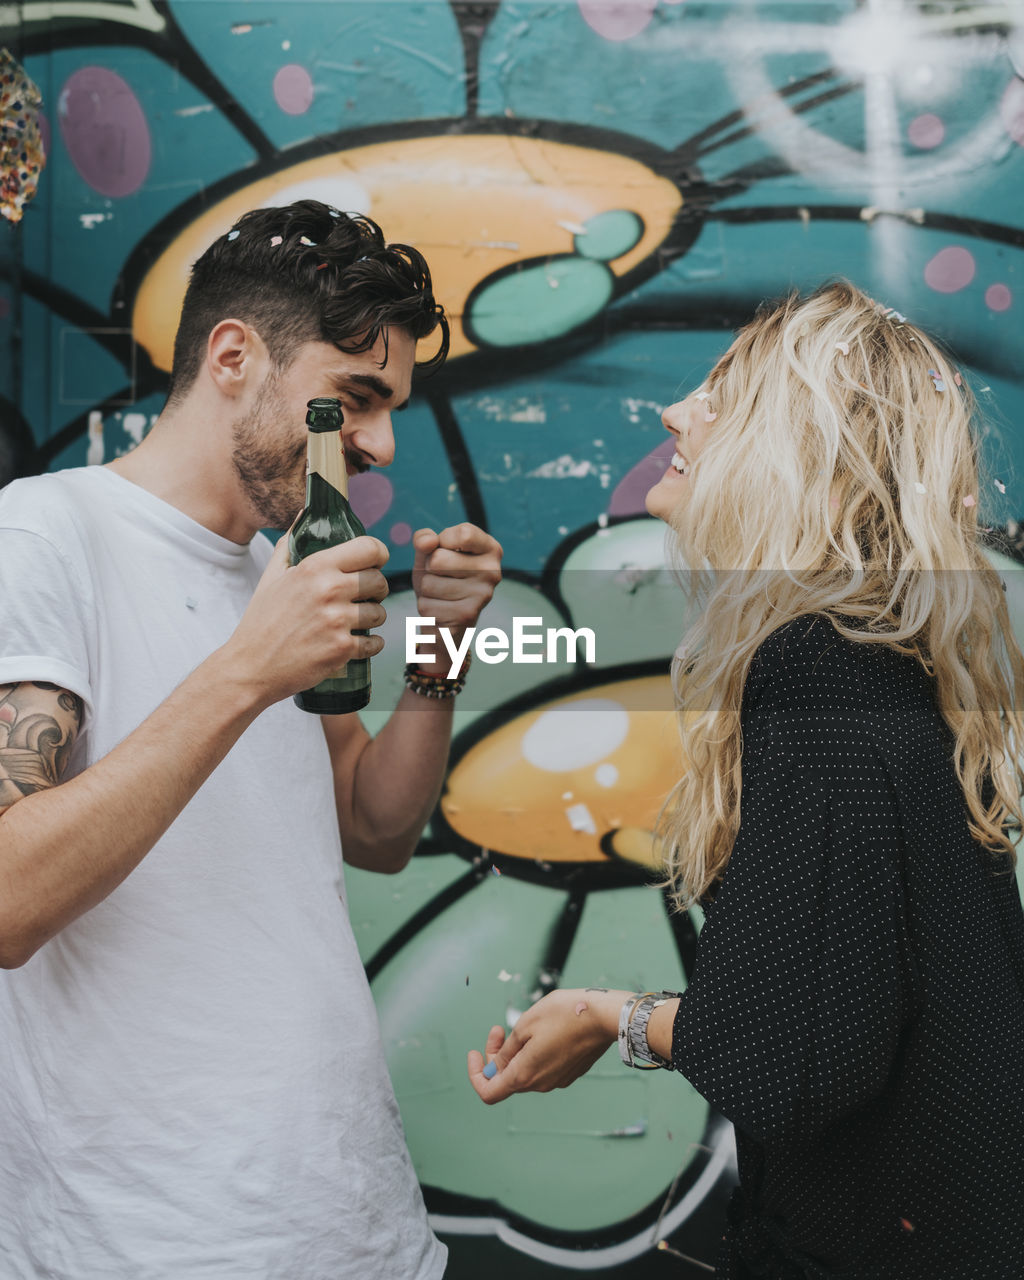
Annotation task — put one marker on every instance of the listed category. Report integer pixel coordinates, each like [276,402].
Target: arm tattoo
[38,726]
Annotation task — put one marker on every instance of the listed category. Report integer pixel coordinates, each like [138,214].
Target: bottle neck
[325,457]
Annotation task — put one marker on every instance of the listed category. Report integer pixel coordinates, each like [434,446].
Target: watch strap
[633,1019]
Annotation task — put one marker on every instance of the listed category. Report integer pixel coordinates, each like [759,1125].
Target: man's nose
[375,440]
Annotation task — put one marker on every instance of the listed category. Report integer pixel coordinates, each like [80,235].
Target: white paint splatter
[581,819]
[342,192]
[564,468]
[519,409]
[633,408]
[95,452]
[576,735]
[528,413]
[135,426]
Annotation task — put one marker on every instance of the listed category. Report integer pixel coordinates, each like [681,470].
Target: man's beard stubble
[268,468]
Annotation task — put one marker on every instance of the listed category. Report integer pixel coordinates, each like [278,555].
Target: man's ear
[236,357]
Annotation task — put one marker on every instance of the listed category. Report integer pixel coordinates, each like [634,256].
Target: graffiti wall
[604,189]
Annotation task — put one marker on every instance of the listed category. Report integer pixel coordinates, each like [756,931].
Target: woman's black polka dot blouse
[857,1005]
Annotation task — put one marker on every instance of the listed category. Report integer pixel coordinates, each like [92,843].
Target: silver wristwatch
[636,1012]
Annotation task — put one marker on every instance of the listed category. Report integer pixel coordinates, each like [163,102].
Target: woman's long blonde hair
[839,478]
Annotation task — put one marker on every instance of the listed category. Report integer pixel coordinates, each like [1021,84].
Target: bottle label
[326,457]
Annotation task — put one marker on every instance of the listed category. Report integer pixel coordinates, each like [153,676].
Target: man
[192,1082]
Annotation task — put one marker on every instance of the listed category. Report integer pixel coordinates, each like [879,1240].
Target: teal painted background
[660,168]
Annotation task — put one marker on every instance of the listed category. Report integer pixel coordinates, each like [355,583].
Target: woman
[849,700]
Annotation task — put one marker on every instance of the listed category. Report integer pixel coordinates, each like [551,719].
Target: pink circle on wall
[105,131]
[617,19]
[293,89]
[628,495]
[401,534]
[998,297]
[926,131]
[1011,110]
[951,270]
[371,496]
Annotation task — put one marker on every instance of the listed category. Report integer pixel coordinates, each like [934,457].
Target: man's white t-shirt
[192,1082]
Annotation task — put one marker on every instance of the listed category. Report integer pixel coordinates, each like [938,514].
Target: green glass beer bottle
[327,520]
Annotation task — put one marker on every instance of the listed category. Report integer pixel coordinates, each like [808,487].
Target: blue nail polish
[490,1071]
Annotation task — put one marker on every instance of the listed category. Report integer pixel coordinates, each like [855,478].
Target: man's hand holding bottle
[299,625]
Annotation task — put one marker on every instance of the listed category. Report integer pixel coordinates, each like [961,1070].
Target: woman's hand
[553,1043]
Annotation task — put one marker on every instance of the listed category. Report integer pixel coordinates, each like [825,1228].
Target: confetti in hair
[710,415]
[702,395]
[1000,486]
[233,235]
[890,313]
[919,487]
[275,241]
[936,378]
[958,380]
[306,241]
[970,500]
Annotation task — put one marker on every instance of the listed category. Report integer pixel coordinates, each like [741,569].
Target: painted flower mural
[604,189]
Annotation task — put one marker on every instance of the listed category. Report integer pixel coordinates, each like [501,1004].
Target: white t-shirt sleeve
[43,631]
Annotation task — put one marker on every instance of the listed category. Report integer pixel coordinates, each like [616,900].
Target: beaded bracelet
[436,686]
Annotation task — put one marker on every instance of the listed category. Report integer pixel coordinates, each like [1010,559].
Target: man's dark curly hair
[302,273]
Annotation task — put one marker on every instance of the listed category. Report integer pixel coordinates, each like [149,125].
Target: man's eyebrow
[378,386]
